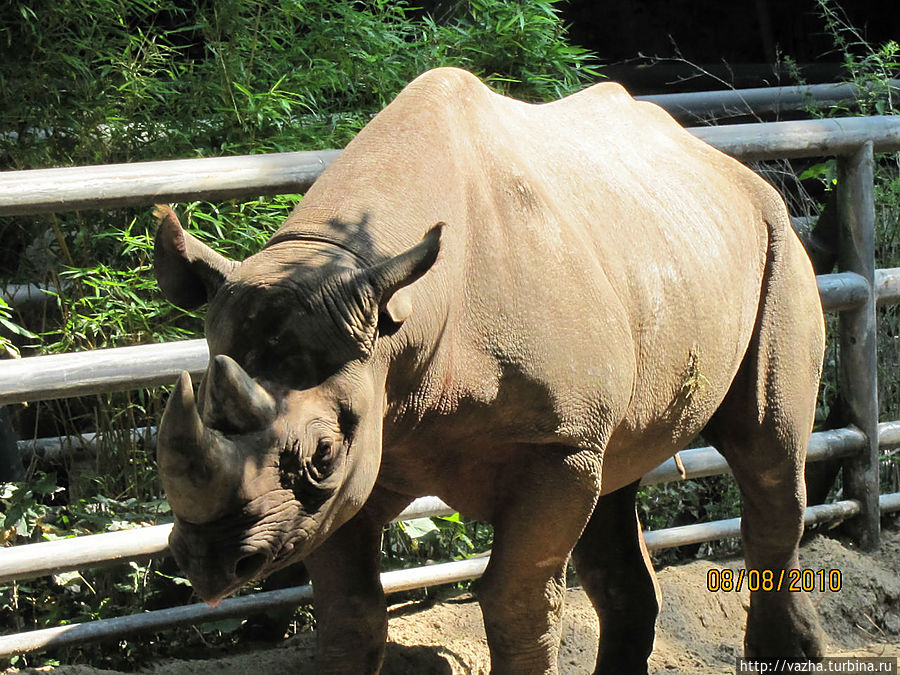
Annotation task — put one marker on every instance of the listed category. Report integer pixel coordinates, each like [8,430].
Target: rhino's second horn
[199,468]
[234,402]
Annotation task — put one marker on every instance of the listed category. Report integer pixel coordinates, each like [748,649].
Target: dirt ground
[697,631]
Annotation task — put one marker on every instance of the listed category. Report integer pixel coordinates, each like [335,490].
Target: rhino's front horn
[200,469]
[234,402]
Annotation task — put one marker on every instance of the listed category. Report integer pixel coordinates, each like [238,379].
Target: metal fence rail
[393,582]
[37,378]
[761,100]
[110,548]
[141,183]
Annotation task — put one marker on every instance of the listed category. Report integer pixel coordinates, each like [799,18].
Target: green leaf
[67,578]
[17,329]
[418,527]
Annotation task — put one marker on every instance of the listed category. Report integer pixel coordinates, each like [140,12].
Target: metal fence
[854,292]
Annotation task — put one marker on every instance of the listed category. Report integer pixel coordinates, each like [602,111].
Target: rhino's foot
[546,497]
[352,637]
[624,660]
[783,625]
[523,625]
[365,661]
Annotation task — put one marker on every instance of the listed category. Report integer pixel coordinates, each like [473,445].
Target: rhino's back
[620,253]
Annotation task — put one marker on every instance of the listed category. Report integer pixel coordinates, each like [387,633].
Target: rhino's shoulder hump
[446,81]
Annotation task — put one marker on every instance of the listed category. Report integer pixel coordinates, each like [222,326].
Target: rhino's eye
[322,458]
[299,476]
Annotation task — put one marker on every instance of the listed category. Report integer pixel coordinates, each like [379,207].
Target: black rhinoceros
[520,309]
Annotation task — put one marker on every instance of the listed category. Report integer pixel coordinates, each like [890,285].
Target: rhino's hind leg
[616,573]
[542,504]
[351,616]
[762,428]
[770,477]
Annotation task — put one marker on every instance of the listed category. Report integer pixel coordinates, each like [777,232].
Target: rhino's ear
[368,294]
[390,279]
[188,271]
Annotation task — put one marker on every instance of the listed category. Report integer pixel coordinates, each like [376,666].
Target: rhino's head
[282,443]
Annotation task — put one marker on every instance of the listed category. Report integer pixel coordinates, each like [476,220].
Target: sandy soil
[697,631]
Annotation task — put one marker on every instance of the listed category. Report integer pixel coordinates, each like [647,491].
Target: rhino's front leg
[543,504]
[351,618]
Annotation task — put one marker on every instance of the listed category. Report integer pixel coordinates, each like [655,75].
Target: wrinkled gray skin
[520,309]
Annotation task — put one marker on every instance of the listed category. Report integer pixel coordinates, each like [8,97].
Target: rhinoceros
[521,309]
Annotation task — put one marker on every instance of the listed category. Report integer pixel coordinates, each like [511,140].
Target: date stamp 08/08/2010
[793,580]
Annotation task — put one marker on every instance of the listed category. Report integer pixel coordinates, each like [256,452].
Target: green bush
[96,81]
[99,81]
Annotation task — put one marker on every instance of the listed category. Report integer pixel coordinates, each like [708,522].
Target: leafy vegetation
[97,81]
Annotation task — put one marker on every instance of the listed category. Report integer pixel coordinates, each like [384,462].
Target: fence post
[858,379]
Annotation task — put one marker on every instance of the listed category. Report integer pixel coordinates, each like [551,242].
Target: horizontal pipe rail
[56,448]
[889,435]
[722,529]
[736,102]
[219,178]
[118,185]
[37,378]
[393,582]
[806,138]
[109,548]
[847,290]
[19,295]
[887,286]
[844,290]
[706,461]
[889,503]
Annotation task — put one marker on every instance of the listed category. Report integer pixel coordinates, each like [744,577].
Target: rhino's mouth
[220,557]
[276,529]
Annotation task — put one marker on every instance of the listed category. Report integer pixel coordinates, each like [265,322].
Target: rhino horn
[234,402]
[200,470]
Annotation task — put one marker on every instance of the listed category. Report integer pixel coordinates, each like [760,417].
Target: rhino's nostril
[249,566]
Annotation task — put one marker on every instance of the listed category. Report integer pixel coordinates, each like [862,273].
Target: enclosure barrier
[393,582]
[854,292]
[110,548]
[37,378]
[695,105]
[142,183]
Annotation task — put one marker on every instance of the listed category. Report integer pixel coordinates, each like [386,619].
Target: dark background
[748,35]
